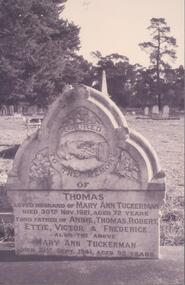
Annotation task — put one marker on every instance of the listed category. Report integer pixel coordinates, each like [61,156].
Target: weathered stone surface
[84,147]
[92,223]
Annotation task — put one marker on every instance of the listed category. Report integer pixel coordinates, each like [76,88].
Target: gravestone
[20,109]
[85,184]
[146,111]
[4,110]
[165,111]
[155,109]
[11,110]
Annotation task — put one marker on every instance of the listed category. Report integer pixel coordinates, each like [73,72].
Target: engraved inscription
[87,224]
[84,184]
[82,119]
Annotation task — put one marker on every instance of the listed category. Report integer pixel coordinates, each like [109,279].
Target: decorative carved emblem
[82,149]
[41,170]
[82,145]
[127,167]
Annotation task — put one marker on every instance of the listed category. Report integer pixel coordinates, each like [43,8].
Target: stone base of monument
[168,270]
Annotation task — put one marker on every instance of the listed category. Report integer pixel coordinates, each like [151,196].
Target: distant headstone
[4,110]
[165,111]
[155,109]
[86,185]
[146,111]
[20,109]
[11,110]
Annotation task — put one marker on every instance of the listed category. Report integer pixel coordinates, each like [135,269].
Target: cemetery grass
[167,138]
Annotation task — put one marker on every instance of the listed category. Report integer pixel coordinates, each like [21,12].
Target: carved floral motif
[127,167]
[41,170]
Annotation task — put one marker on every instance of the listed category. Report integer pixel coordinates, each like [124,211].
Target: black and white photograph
[92,142]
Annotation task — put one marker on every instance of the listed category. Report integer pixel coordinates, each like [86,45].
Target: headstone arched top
[85,138]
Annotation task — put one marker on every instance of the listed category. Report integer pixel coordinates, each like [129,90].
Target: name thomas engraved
[86,224]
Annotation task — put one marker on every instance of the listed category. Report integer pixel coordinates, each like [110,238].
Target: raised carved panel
[83,148]
[127,167]
[41,171]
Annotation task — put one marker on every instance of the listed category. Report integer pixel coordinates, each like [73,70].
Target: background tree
[78,70]
[118,72]
[141,86]
[161,49]
[174,87]
[34,44]
[38,57]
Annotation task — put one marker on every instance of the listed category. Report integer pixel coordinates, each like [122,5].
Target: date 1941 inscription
[87,224]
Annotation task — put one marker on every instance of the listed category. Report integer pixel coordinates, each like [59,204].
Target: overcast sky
[118,26]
